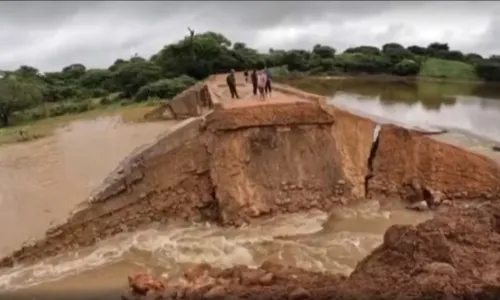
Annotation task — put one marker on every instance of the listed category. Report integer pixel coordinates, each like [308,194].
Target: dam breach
[229,162]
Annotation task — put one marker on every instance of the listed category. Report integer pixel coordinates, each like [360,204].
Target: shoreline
[37,129]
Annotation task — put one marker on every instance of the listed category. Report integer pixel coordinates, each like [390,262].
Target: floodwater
[41,181]
[468,114]
[312,240]
[466,108]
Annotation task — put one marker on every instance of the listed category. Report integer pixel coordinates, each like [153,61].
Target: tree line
[27,93]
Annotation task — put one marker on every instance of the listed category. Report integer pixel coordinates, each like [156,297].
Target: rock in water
[419,206]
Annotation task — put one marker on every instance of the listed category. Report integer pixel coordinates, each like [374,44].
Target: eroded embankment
[192,102]
[270,159]
[210,169]
[233,165]
[414,166]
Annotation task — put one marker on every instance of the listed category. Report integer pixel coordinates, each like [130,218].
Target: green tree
[74,71]
[198,56]
[406,67]
[395,52]
[131,76]
[369,50]
[473,57]
[27,71]
[245,58]
[94,78]
[164,88]
[273,58]
[119,62]
[16,95]
[417,50]
[434,47]
[297,60]
[392,47]
[488,70]
[363,63]
[324,51]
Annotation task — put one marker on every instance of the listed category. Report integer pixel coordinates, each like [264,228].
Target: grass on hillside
[447,69]
[37,129]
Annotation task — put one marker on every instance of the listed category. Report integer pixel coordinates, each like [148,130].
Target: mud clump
[455,255]
[268,281]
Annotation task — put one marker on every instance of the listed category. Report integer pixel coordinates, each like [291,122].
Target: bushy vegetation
[448,69]
[26,93]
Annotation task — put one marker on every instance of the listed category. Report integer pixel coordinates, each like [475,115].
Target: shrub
[406,67]
[164,88]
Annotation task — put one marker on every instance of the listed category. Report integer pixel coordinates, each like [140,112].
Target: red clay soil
[456,255]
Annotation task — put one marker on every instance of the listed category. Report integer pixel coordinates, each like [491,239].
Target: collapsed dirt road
[231,162]
[453,256]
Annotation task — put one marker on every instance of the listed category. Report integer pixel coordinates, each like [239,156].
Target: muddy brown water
[41,181]
[312,240]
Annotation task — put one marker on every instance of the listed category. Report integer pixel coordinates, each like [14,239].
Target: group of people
[261,83]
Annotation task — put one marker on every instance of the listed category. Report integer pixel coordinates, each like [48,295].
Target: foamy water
[312,240]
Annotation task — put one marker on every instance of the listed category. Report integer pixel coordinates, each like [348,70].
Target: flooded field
[41,181]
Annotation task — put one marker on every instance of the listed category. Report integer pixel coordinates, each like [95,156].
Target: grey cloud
[393,31]
[40,14]
[265,14]
[50,35]
[489,42]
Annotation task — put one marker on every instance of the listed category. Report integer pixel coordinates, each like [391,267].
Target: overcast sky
[51,35]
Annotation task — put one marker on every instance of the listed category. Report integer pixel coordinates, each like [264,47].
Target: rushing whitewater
[313,241]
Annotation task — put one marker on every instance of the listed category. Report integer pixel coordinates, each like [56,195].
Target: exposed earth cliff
[230,162]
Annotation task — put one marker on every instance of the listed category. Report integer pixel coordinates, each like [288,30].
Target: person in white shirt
[261,84]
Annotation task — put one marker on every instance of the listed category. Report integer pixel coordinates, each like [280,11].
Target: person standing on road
[253,77]
[231,82]
[268,88]
[246,75]
[262,79]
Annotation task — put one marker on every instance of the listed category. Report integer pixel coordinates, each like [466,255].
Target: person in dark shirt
[231,82]
[246,75]
[253,77]
[268,88]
